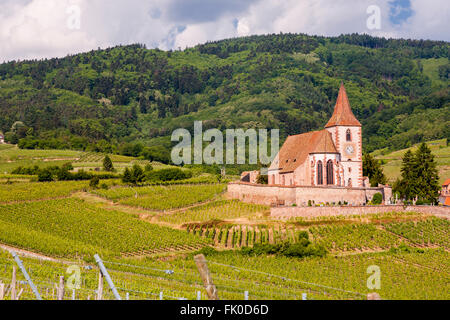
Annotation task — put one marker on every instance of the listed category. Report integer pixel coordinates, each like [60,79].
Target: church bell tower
[346,133]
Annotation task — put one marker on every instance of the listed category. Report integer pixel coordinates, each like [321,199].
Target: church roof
[342,115]
[296,149]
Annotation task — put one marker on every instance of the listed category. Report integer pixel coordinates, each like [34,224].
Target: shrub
[126,177]
[377,198]
[134,176]
[262,179]
[107,164]
[93,183]
[26,171]
[303,248]
[45,175]
[170,174]
[303,235]
[67,166]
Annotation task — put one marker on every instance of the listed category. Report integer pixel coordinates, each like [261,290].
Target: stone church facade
[322,166]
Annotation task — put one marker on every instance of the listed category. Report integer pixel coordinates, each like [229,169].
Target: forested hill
[123,98]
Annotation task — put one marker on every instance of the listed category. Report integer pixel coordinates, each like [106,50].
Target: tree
[406,185]
[133,176]
[107,164]
[372,169]
[377,198]
[137,174]
[126,178]
[262,179]
[93,183]
[427,178]
[45,175]
[419,176]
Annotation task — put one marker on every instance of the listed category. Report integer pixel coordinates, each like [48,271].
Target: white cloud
[38,28]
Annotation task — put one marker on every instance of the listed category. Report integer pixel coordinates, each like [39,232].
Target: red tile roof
[343,115]
[296,149]
[447,201]
[446,183]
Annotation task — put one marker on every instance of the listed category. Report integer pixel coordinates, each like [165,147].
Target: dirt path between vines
[33,255]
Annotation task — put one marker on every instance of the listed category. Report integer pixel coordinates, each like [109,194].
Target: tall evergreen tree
[420,177]
[406,185]
[427,177]
[107,164]
[126,178]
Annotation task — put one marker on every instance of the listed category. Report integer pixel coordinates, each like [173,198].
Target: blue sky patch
[400,11]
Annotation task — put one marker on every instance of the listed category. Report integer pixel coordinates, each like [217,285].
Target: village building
[444,197]
[322,166]
[2,138]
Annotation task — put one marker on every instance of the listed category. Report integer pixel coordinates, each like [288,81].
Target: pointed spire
[342,115]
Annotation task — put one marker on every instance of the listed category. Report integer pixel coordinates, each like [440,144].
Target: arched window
[349,135]
[330,173]
[350,182]
[319,173]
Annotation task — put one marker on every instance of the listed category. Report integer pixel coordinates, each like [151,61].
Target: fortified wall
[300,195]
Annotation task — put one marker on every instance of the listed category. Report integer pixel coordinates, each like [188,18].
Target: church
[319,167]
[329,157]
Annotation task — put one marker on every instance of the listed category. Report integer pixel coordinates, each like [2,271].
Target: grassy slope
[12,157]
[430,69]
[393,160]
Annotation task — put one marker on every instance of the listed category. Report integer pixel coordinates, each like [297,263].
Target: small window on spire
[349,135]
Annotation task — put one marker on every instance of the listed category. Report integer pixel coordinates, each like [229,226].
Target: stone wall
[309,212]
[300,195]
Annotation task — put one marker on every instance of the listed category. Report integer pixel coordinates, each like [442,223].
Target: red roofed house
[444,197]
[329,157]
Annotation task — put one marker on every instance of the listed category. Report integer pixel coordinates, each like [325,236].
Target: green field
[393,160]
[163,197]
[12,157]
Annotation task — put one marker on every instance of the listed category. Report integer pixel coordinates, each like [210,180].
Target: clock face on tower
[349,150]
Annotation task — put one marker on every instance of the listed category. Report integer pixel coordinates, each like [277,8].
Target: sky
[35,29]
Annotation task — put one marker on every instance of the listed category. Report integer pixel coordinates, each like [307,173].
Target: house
[444,197]
[250,176]
[2,138]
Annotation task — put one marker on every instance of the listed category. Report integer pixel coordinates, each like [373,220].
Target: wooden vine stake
[202,267]
[100,286]
[60,292]
[2,290]
[13,284]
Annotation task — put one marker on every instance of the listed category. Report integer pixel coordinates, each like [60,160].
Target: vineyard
[351,237]
[39,190]
[73,228]
[148,235]
[163,197]
[230,236]
[217,210]
[432,231]
[406,275]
